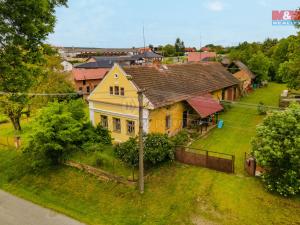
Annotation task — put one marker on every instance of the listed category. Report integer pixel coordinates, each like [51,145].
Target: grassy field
[175,193]
[7,132]
[105,159]
[240,124]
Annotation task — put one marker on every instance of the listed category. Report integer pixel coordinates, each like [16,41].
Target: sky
[119,23]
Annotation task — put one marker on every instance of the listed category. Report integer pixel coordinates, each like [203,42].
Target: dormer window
[117,90]
[122,91]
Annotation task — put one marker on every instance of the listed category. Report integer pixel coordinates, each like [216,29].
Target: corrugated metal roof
[205,105]
[98,64]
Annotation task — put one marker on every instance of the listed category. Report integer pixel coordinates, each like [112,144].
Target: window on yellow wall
[111,90]
[117,125]
[104,121]
[122,91]
[117,90]
[168,122]
[130,127]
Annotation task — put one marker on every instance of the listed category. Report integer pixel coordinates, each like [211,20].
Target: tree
[179,47]
[168,50]
[259,64]
[22,49]
[55,133]
[276,148]
[244,51]
[52,80]
[281,52]
[151,47]
[289,72]
[268,45]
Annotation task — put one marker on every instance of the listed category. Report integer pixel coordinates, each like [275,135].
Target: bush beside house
[158,148]
[276,147]
[59,130]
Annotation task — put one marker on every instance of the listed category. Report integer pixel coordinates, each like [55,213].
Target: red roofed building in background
[189,50]
[87,79]
[201,56]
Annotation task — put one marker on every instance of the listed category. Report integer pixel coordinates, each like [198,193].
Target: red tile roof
[189,50]
[89,74]
[199,56]
[204,105]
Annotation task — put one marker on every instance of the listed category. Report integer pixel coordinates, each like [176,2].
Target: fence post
[233,163]
[245,158]
[206,158]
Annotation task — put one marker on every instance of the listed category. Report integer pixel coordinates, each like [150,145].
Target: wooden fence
[249,164]
[209,159]
[7,141]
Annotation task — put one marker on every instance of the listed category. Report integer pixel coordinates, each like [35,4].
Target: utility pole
[144,39]
[141,144]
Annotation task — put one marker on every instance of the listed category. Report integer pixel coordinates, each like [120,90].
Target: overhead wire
[203,99]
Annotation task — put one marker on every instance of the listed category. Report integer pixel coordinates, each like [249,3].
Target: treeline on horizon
[273,59]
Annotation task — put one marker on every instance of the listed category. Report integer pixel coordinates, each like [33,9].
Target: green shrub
[261,108]
[97,134]
[3,119]
[128,152]
[104,135]
[181,139]
[276,148]
[89,147]
[55,134]
[101,160]
[157,149]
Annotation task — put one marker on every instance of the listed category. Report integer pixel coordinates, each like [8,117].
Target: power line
[185,96]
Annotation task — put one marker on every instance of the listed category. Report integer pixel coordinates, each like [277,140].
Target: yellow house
[171,95]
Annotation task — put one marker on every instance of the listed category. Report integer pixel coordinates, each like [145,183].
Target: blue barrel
[220,124]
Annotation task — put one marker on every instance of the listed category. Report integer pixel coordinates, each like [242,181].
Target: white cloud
[215,6]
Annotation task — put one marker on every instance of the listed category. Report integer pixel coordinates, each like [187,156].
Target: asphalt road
[16,211]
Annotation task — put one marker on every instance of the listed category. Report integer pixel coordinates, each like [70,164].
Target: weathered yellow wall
[217,95]
[157,119]
[123,107]
[122,136]
[101,93]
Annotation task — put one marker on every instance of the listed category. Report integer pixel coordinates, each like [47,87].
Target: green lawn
[7,132]
[239,125]
[106,161]
[175,193]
